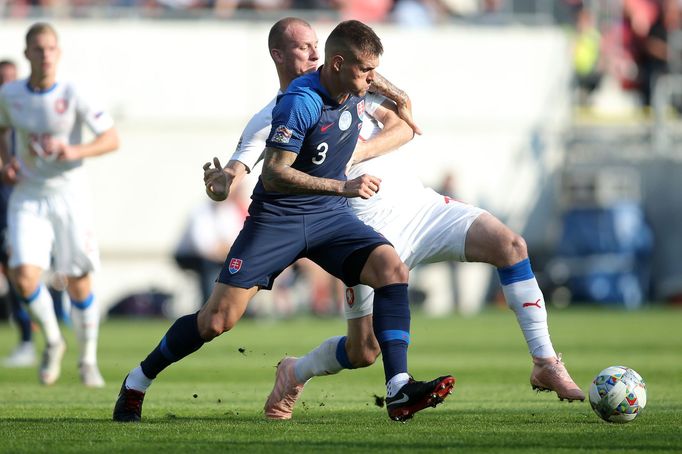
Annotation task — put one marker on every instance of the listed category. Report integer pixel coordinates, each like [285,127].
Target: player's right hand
[217,181]
[10,172]
[364,186]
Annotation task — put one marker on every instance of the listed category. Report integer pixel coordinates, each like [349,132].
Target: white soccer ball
[618,394]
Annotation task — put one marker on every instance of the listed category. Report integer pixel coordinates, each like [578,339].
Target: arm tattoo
[278,175]
[382,86]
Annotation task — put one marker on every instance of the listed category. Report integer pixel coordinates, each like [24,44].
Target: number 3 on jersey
[322,153]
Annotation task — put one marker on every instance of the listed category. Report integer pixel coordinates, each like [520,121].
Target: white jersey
[39,118]
[252,141]
[399,186]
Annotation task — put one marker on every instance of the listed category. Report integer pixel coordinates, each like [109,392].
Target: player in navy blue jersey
[300,209]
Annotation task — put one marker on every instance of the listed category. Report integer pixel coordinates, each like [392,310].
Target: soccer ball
[618,394]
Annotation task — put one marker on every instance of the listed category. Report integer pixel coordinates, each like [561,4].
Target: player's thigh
[341,244]
[30,232]
[263,249]
[438,231]
[491,241]
[384,267]
[76,252]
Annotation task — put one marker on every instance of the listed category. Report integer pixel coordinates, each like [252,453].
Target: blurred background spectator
[211,229]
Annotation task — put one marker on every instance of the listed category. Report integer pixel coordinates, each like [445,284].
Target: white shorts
[52,228]
[432,228]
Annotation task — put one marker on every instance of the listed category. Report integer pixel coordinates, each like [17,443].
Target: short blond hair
[38,29]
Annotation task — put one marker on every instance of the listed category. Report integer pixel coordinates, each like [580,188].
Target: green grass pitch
[212,401]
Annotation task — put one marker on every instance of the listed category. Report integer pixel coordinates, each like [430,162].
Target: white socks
[42,310]
[526,300]
[85,319]
[137,380]
[320,361]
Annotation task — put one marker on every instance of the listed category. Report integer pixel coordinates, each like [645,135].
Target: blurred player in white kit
[423,226]
[49,210]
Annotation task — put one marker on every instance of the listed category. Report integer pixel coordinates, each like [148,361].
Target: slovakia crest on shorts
[361,109]
[282,134]
[235,266]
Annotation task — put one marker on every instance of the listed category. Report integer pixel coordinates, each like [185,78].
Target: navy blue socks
[391,323]
[181,339]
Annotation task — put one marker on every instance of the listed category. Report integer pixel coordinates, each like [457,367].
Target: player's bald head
[278,32]
[38,29]
[352,38]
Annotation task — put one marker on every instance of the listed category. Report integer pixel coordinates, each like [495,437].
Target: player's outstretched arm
[384,87]
[279,176]
[394,134]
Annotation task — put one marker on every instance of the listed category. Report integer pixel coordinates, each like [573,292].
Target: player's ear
[337,62]
[277,56]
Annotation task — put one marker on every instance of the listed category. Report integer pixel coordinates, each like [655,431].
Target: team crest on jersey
[345,120]
[235,266]
[61,105]
[282,134]
[361,109]
[350,297]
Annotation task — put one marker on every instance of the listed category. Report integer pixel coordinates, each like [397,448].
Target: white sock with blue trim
[323,360]
[41,308]
[524,297]
[85,318]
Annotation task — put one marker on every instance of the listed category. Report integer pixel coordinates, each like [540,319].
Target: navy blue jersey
[308,122]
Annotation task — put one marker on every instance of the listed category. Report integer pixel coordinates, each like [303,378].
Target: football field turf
[212,401]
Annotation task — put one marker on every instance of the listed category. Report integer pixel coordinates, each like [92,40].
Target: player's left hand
[217,181]
[364,186]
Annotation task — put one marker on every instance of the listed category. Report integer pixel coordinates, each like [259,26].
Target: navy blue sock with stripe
[391,323]
[181,339]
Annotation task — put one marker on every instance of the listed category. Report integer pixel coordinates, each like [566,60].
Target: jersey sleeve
[293,115]
[93,114]
[252,141]
[372,103]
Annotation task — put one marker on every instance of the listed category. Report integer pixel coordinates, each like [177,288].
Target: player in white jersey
[49,210]
[423,225]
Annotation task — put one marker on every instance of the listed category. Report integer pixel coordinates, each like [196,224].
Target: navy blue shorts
[269,243]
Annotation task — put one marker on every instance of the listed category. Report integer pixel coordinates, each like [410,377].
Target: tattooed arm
[382,86]
[279,176]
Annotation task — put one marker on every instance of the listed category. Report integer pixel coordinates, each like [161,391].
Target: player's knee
[214,325]
[24,284]
[396,273]
[514,249]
